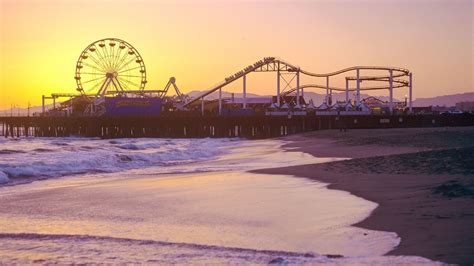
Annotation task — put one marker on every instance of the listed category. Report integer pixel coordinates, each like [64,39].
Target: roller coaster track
[397,83]
[272,64]
[341,89]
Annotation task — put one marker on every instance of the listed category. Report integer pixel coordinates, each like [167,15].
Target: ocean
[77,200]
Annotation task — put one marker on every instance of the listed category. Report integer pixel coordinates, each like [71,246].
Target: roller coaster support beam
[390,81]
[410,107]
[298,89]
[327,90]
[244,78]
[278,84]
[220,101]
[54,102]
[358,89]
[347,91]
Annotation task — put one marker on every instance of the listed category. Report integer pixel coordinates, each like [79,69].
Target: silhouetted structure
[184,125]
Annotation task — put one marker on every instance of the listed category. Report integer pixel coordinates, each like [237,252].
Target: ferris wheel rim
[107,67]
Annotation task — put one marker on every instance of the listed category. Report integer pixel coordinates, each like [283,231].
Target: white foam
[50,249]
[68,156]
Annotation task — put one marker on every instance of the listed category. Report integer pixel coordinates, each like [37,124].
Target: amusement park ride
[111,75]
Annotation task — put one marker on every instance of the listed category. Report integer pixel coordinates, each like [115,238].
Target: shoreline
[401,181]
[242,210]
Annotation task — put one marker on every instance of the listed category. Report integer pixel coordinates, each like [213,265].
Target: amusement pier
[111,102]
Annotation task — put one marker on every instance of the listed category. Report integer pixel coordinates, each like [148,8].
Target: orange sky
[201,42]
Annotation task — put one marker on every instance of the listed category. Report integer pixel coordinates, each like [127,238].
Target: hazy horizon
[200,43]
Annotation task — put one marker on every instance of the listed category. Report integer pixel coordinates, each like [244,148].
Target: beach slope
[422,179]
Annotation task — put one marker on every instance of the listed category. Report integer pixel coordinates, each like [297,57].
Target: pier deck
[256,126]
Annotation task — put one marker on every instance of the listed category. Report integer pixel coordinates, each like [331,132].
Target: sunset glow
[237,132]
[202,42]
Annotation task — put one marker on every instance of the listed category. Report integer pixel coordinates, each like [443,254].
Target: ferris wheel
[110,65]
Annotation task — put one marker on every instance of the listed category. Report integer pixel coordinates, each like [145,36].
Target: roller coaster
[393,78]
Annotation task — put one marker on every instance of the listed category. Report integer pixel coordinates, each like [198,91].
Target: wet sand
[423,180]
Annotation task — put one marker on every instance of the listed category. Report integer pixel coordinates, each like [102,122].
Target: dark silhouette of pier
[197,126]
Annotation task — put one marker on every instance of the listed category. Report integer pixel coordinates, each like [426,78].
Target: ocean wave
[60,143]
[26,159]
[7,151]
[129,146]
[49,248]
[34,236]
[43,150]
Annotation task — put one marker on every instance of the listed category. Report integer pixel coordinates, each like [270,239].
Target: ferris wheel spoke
[95,86]
[133,68]
[101,56]
[117,83]
[122,60]
[106,55]
[114,58]
[117,57]
[90,73]
[111,55]
[107,60]
[94,67]
[93,80]
[111,62]
[101,61]
[104,52]
[126,64]
[131,76]
[96,61]
[123,84]
[129,82]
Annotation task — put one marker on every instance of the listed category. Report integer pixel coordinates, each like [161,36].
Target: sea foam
[53,157]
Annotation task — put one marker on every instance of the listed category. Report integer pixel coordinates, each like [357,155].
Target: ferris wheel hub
[111,75]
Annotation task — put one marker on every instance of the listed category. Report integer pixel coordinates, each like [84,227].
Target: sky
[202,42]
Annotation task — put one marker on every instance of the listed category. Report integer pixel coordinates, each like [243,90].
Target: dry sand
[423,180]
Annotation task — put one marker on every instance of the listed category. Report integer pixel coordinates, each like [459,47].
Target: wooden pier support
[218,126]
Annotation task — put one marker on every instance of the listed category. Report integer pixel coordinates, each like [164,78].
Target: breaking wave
[32,158]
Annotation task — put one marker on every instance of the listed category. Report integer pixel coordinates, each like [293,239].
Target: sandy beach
[422,179]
